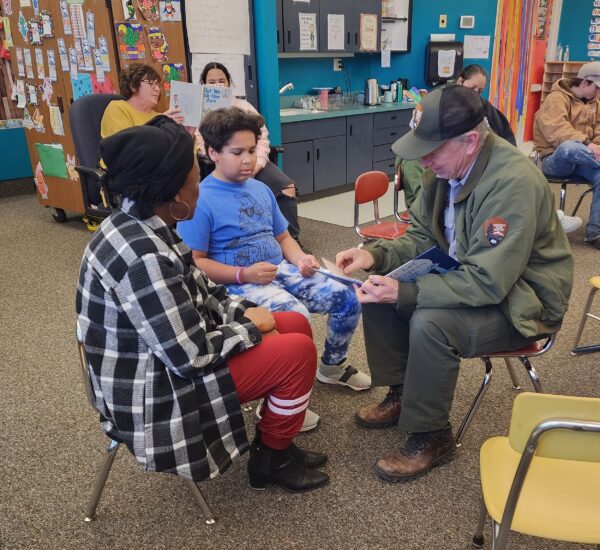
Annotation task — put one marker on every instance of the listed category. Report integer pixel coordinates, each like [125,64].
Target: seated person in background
[154,326]
[486,205]
[239,238]
[216,74]
[140,85]
[566,133]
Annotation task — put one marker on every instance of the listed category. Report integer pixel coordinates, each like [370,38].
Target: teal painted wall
[575,28]
[307,73]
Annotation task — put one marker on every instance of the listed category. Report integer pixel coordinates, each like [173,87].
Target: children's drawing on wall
[149,9]
[170,10]
[71,163]
[128,9]
[158,44]
[40,183]
[172,71]
[131,44]
[7,7]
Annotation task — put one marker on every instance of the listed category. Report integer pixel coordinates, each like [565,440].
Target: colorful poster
[77,20]
[105,87]
[170,10]
[158,44]
[7,32]
[20,62]
[130,40]
[81,86]
[7,7]
[47,25]
[40,183]
[73,63]
[28,62]
[39,62]
[35,32]
[23,27]
[88,59]
[66,19]
[103,45]
[52,158]
[36,7]
[52,65]
[47,90]
[171,72]
[128,9]
[63,55]
[90,27]
[71,163]
[149,9]
[56,122]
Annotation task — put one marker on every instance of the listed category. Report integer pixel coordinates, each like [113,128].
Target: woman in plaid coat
[171,354]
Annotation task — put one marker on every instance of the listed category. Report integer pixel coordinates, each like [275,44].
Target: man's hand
[175,114]
[261,273]
[307,264]
[378,289]
[352,259]
[262,318]
[595,148]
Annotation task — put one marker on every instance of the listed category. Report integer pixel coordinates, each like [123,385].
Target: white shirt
[455,187]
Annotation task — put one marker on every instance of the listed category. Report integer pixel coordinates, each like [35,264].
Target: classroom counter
[301,115]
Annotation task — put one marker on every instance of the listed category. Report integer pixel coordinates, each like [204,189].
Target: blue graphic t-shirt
[235,223]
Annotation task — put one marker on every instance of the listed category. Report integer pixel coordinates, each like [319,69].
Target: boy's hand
[307,264]
[352,259]
[262,318]
[261,273]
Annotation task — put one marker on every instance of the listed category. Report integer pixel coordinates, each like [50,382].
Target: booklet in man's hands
[433,260]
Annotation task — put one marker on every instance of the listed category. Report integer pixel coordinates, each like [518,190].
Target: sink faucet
[288,86]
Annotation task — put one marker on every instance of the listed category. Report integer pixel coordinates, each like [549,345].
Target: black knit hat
[447,112]
[148,163]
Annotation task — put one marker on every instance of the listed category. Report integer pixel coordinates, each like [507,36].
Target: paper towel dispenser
[443,61]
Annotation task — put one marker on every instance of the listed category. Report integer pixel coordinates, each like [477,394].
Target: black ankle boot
[309,459]
[280,468]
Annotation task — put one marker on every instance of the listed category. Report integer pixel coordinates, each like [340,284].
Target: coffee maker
[371,91]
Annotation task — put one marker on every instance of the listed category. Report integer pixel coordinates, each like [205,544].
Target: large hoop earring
[183,217]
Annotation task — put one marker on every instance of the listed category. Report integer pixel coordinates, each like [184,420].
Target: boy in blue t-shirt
[239,238]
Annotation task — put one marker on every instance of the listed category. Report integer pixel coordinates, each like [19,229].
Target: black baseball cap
[447,112]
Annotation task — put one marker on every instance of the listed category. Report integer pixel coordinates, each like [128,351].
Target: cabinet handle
[278,39]
[318,153]
[350,130]
[289,33]
[348,38]
[250,72]
[307,157]
[393,117]
[355,38]
[393,133]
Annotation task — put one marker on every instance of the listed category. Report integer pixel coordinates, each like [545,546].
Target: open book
[195,100]
[430,261]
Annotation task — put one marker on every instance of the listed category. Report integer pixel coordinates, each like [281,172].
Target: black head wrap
[148,163]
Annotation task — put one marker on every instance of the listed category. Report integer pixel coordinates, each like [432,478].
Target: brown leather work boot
[421,452]
[384,414]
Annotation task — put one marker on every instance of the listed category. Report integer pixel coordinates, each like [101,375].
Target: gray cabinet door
[371,7]
[298,164]
[359,146]
[279,19]
[330,162]
[291,25]
[342,8]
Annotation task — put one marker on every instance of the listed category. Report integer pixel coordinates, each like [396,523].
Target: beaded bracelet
[238,275]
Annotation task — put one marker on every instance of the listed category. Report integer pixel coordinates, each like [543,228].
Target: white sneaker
[343,375]
[569,223]
[311,419]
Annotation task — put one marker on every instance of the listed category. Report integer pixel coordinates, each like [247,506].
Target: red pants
[281,369]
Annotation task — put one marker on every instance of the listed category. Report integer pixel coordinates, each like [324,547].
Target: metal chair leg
[563,195]
[580,200]
[101,478]
[476,402]
[535,379]
[513,374]
[588,305]
[208,515]
[478,539]
[499,536]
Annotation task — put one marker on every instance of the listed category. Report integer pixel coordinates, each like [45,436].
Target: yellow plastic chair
[544,478]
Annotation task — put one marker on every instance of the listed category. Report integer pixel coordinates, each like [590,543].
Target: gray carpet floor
[51,443]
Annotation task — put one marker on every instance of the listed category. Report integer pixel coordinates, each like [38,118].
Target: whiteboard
[234,64]
[219,26]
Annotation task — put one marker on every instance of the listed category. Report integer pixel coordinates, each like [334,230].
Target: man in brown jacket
[566,133]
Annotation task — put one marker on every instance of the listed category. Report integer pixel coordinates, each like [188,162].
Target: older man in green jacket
[487,206]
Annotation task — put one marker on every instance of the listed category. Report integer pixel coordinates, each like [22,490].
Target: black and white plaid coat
[157,334]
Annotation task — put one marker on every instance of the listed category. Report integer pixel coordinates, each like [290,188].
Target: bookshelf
[554,70]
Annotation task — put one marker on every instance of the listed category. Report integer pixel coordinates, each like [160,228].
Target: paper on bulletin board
[395,34]
[308,31]
[52,157]
[218,26]
[368,32]
[234,64]
[476,47]
[335,31]
[56,120]
[446,60]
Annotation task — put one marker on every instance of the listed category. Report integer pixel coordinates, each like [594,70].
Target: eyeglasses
[152,83]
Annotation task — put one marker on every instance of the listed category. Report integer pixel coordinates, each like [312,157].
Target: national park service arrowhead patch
[495,229]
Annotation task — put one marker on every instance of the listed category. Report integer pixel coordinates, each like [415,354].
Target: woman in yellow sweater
[140,85]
